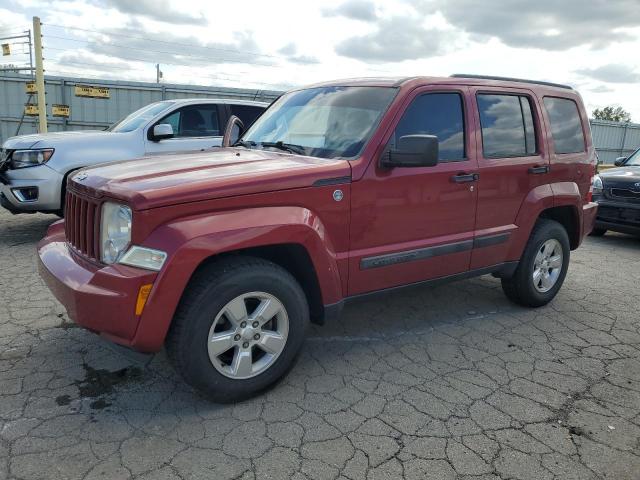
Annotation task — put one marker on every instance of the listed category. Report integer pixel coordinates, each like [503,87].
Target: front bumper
[618,216]
[99,298]
[45,179]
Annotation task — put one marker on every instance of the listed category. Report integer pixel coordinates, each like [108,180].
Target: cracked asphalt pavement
[427,383]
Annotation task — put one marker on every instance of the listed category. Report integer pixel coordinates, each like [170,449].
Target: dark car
[617,192]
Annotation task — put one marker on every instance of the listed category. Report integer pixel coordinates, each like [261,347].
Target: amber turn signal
[143,294]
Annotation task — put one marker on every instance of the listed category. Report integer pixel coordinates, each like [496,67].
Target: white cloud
[275,45]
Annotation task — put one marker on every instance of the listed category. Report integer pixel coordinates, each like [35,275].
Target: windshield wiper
[287,147]
[245,143]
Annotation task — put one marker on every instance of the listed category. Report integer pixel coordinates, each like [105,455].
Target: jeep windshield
[326,122]
[140,117]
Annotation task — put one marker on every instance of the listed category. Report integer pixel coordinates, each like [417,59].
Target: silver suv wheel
[248,335]
[547,265]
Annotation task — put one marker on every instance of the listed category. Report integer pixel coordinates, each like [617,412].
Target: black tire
[206,295]
[520,287]
[598,232]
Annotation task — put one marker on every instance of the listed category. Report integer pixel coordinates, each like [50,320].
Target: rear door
[195,127]
[414,224]
[512,161]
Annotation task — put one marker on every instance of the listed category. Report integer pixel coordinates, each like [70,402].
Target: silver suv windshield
[140,117]
[326,122]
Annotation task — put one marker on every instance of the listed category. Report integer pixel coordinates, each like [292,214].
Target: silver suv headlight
[31,157]
[115,231]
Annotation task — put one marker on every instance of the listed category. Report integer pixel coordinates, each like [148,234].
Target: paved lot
[441,383]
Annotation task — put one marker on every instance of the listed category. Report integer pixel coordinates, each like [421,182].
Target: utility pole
[42,104]
[158,73]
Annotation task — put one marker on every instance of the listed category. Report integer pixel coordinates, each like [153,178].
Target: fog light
[25,194]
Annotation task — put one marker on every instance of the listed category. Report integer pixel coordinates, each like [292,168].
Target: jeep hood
[162,180]
[54,139]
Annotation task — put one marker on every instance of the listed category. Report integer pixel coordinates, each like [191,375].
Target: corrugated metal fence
[614,139]
[611,139]
[98,113]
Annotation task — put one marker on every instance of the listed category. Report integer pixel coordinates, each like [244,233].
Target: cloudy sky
[277,44]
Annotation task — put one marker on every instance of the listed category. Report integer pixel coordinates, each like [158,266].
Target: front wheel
[542,268]
[238,328]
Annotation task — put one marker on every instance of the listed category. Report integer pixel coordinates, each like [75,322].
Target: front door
[195,127]
[414,224]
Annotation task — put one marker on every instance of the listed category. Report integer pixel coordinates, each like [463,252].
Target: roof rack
[509,79]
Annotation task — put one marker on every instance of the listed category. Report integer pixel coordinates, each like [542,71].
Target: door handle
[537,170]
[465,177]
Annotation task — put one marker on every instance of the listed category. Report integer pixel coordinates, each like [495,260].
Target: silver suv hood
[52,140]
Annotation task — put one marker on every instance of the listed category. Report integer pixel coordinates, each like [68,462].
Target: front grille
[4,158]
[625,193]
[81,224]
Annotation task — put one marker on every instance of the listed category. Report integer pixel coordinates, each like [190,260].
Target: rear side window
[246,113]
[566,126]
[507,125]
[438,114]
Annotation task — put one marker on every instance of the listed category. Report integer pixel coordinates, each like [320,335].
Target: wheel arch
[294,258]
[558,201]
[292,237]
[567,216]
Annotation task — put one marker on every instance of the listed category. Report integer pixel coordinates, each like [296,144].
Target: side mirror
[232,131]
[619,161]
[162,131]
[413,151]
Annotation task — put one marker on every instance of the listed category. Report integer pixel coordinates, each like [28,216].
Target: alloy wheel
[547,265]
[248,335]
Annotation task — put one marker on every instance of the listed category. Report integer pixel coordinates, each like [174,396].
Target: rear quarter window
[566,125]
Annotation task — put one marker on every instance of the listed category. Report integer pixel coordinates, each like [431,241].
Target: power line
[140,60]
[7,33]
[199,75]
[63,73]
[164,52]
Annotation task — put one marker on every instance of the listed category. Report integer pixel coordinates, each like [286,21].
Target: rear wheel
[598,232]
[238,328]
[542,268]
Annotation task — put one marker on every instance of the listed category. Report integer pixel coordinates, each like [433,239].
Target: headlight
[597,185]
[115,234]
[30,158]
[143,257]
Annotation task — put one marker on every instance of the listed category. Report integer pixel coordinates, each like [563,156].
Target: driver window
[173,120]
[194,121]
[439,114]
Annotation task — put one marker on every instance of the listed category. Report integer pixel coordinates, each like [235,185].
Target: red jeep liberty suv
[338,190]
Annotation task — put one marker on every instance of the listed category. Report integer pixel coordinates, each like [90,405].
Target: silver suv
[34,168]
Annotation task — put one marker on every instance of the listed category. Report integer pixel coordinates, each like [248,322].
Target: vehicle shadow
[614,239]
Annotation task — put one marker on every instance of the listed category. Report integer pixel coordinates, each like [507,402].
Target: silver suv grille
[4,157]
